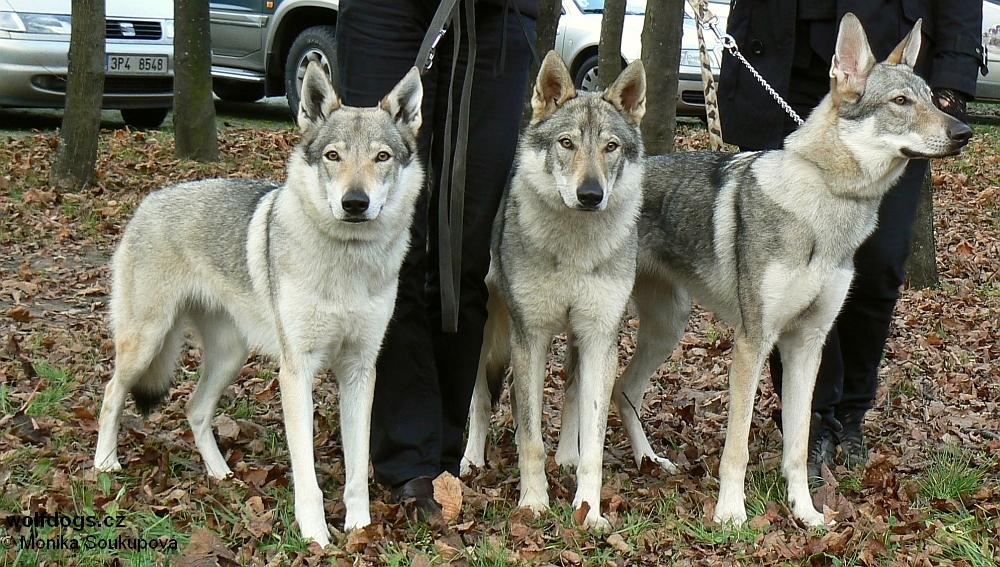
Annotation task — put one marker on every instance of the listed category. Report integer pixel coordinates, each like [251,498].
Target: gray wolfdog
[766,240]
[305,272]
[563,258]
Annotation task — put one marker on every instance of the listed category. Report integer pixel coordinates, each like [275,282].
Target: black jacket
[951,53]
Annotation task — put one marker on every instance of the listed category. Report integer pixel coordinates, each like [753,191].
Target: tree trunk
[661,53]
[609,53]
[545,32]
[921,266]
[194,110]
[81,124]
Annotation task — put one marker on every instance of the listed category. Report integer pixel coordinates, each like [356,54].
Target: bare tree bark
[921,266]
[195,136]
[661,53]
[609,53]
[545,41]
[81,125]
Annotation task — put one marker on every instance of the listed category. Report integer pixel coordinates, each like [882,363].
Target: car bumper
[988,87]
[691,95]
[34,75]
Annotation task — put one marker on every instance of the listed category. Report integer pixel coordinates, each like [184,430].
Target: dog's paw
[467,465]
[356,521]
[535,503]
[726,514]
[810,516]
[110,464]
[596,522]
[664,463]
[567,457]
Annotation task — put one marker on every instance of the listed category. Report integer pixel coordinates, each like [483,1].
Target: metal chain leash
[709,20]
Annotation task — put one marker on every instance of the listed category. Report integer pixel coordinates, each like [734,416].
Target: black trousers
[848,374]
[425,377]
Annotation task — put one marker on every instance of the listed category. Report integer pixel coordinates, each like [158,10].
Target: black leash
[451,195]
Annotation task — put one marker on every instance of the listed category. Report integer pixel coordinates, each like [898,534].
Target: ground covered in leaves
[929,495]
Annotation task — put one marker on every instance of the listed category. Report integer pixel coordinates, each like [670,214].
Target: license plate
[135,65]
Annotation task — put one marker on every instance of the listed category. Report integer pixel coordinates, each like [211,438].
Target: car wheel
[237,91]
[319,44]
[586,77]
[144,117]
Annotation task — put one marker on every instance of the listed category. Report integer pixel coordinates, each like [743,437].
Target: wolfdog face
[578,144]
[357,158]
[885,106]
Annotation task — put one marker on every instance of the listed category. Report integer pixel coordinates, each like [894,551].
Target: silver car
[34,48]
[579,35]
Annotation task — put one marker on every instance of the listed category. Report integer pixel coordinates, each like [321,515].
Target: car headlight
[35,23]
[690,58]
[169,24]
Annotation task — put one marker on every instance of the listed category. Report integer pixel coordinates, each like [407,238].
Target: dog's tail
[148,334]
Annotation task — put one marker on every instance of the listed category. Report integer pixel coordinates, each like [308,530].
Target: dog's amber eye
[566,143]
[383,156]
[612,146]
[900,100]
[332,155]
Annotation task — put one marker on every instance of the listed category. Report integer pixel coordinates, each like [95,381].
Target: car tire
[586,75]
[144,118]
[318,43]
[237,91]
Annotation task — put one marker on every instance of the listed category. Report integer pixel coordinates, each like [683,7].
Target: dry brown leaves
[940,385]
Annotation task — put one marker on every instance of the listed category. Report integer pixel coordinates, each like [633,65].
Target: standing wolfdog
[306,272]
[563,258]
[766,240]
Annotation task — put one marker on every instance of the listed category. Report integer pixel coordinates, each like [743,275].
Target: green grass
[951,475]
[50,400]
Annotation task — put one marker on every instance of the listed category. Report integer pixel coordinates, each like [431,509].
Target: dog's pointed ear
[404,102]
[317,98]
[628,92]
[908,49]
[553,87]
[852,60]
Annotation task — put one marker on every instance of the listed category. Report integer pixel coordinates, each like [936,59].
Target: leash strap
[451,191]
[706,18]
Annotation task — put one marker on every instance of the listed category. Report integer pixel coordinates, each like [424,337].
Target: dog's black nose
[355,202]
[590,195]
[960,133]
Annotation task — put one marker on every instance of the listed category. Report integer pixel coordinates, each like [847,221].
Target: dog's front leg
[748,361]
[801,351]
[568,451]
[598,365]
[296,381]
[356,381]
[528,349]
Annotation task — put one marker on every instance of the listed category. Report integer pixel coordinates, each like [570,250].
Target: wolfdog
[765,240]
[563,258]
[304,272]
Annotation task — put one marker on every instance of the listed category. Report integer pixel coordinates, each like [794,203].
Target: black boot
[853,448]
[417,497]
[821,448]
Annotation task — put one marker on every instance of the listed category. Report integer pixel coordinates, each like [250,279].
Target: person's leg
[495,112]
[864,321]
[377,43]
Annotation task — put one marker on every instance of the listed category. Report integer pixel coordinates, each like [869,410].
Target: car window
[632,7]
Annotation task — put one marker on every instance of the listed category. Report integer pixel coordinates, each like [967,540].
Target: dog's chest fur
[555,262]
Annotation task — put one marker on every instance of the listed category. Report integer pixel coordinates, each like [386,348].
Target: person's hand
[951,102]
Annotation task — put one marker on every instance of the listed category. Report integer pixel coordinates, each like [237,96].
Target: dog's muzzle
[589,195]
[355,203]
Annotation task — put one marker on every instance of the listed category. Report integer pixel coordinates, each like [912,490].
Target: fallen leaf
[580,514]
[448,493]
